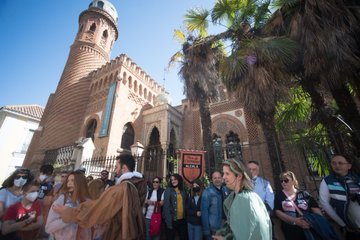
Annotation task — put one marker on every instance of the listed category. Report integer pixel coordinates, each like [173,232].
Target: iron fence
[95,165]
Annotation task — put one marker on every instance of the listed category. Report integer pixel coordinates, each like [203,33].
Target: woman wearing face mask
[72,193]
[24,218]
[193,214]
[12,189]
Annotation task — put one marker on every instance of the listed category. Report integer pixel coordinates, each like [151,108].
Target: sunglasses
[23,177]
[284,180]
[155,181]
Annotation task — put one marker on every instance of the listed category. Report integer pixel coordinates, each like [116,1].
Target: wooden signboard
[191,164]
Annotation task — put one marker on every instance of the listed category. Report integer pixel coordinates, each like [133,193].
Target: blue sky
[36,37]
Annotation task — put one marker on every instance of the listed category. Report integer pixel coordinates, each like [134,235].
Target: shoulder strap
[149,193]
[159,193]
[296,207]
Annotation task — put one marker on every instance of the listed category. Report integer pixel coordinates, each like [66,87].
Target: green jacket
[247,217]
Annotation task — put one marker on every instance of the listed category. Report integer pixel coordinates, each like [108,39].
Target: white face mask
[20,182]
[32,196]
[42,177]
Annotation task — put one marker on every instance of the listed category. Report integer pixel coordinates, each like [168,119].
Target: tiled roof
[34,111]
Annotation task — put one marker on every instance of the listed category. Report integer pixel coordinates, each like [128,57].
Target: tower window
[93,27]
[90,129]
[105,34]
[100,4]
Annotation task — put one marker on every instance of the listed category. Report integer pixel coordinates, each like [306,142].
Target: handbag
[155,221]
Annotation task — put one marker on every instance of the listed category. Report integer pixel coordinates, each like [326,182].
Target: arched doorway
[153,154]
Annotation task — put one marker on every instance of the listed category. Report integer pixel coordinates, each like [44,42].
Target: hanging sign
[107,113]
[191,164]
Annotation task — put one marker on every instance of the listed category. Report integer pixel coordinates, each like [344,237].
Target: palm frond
[196,19]
[175,58]
[223,10]
[179,36]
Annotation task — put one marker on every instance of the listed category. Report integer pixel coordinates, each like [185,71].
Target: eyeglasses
[339,163]
[104,174]
[23,177]
[155,181]
[284,180]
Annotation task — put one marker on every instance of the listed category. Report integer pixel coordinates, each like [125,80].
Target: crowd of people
[237,204]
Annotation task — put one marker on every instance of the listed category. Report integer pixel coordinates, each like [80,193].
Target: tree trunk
[348,110]
[324,117]
[273,145]
[205,117]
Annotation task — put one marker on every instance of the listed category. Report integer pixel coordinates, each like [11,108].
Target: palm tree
[256,68]
[198,71]
[327,31]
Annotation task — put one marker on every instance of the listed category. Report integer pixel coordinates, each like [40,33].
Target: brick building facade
[115,102]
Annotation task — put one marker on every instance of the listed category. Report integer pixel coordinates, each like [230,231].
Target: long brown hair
[96,188]
[81,191]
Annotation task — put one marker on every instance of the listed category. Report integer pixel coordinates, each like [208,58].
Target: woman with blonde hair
[294,208]
[247,217]
[73,192]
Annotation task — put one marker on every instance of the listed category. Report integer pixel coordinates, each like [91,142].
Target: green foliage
[195,20]
[205,179]
[294,114]
[293,119]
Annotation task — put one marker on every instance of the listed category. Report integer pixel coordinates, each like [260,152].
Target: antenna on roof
[164,78]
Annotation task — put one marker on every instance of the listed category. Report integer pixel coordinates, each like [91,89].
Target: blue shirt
[263,188]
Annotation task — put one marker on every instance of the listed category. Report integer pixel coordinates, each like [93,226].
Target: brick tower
[62,119]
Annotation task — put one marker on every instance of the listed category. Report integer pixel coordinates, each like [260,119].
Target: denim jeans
[194,232]
[147,226]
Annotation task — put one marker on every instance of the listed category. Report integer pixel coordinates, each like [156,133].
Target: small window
[90,4]
[90,129]
[105,34]
[93,27]
[100,4]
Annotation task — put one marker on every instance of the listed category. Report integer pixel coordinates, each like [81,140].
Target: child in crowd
[24,218]
[11,191]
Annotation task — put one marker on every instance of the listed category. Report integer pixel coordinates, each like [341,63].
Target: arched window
[135,86]
[105,34]
[90,129]
[100,4]
[128,136]
[233,147]
[93,27]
